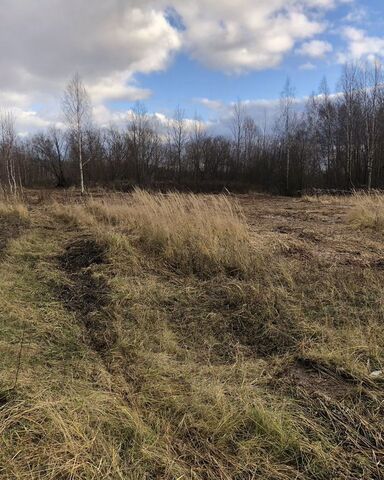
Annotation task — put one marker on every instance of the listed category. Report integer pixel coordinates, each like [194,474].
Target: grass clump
[197,234]
[14,216]
[368,212]
[14,209]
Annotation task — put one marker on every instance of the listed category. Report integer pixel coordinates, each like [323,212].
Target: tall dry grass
[17,209]
[367,211]
[193,233]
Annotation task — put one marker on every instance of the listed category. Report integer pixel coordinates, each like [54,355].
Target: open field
[201,337]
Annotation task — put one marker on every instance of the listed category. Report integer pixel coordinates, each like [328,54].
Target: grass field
[148,336]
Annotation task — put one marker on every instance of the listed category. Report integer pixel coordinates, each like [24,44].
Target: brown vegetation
[192,337]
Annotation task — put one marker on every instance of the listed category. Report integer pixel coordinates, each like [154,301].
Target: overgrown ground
[191,337]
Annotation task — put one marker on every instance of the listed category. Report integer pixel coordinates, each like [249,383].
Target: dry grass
[368,211]
[328,199]
[158,339]
[15,209]
[194,233]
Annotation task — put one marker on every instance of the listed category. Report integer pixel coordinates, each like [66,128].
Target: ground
[320,227]
[191,337]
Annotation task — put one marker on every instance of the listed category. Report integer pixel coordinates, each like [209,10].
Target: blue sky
[186,80]
[202,55]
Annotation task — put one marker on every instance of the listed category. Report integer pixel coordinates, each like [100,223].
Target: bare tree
[251,140]
[7,148]
[50,149]
[351,90]
[236,127]
[372,96]
[77,109]
[143,142]
[197,138]
[325,126]
[287,99]
[179,138]
[115,153]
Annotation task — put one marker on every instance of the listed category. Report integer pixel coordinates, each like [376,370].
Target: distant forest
[335,142]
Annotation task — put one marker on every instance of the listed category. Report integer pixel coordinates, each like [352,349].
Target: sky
[202,55]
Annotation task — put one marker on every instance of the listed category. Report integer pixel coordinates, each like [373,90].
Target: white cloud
[211,104]
[360,45]
[120,119]
[118,86]
[315,49]
[307,66]
[247,35]
[357,15]
[109,42]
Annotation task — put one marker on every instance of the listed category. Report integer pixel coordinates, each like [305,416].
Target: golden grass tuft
[15,209]
[71,214]
[367,211]
[194,233]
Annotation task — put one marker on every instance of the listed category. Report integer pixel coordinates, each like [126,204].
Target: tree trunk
[287,171]
[370,168]
[81,165]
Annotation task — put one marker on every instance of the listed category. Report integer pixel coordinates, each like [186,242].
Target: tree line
[334,141]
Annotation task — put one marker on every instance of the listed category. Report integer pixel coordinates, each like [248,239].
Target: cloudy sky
[201,54]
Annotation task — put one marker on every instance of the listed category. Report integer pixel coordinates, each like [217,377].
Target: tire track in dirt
[86,294]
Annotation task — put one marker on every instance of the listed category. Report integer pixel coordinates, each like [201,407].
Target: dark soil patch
[265,337]
[325,369]
[10,227]
[3,399]
[310,236]
[82,253]
[284,229]
[6,396]
[307,377]
[319,384]
[377,264]
[86,293]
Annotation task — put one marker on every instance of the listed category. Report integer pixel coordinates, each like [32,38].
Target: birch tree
[77,109]
[7,147]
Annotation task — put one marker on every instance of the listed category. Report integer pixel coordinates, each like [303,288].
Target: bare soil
[314,231]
